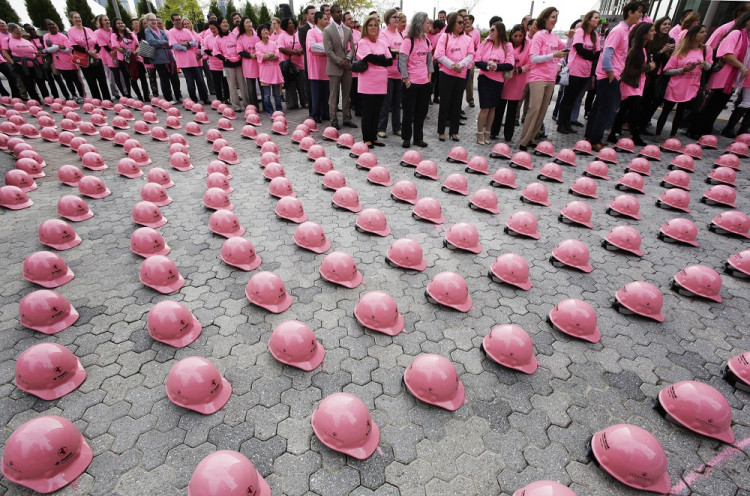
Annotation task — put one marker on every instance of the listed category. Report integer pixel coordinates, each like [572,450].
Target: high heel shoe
[487,140]
[441,137]
[480,139]
[454,137]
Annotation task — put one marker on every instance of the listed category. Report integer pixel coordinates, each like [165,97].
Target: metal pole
[531,11]
[291,6]
[116,8]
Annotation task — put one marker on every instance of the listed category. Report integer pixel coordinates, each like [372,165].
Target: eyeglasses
[460,22]
[492,30]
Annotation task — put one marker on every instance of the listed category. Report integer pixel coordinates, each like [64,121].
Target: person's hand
[744,71]
[689,67]
[571,33]
[525,68]
[560,54]
[610,76]
[346,64]
[491,65]
[651,67]
[407,82]
[457,67]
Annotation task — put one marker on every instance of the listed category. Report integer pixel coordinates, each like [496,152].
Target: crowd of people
[391,69]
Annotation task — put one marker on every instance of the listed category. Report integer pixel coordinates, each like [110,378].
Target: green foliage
[143,8]
[188,9]
[82,7]
[264,16]
[249,11]
[358,8]
[231,9]
[124,13]
[39,10]
[214,9]
[7,13]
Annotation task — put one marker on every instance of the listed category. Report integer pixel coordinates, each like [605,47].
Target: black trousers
[97,81]
[704,121]
[220,85]
[415,104]
[451,93]
[510,118]
[576,85]
[122,79]
[667,107]
[294,91]
[371,105]
[30,82]
[7,71]
[168,76]
[354,97]
[73,82]
[629,111]
[436,82]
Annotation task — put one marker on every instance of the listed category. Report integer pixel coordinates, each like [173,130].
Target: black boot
[736,116]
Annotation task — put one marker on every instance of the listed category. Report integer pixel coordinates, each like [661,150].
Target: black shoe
[454,137]
[638,141]
[405,144]
[420,144]
[441,138]
[576,124]
[612,138]
[378,143]
[523,148]
[350,124]
[335,125]
[729,133]
[562,129]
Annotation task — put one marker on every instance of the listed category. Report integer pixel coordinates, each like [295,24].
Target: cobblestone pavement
[513,428]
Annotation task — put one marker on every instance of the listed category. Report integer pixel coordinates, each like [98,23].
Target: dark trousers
[319,99]
[604,110]
[355,97]
[576,86]
[142,76]
[294,91]
[168,76]
[416,102]
[122,78]
[30,82]
[391,105]
[370,113]
[510,118]
[667,107]
[209,77]
[97,81]
[308,90]
[704,122]
[7,71]
[252,93]
[436,82]
[152,81]
[451,94]
[220,85]
[193,79]
[629,111]
[73,82]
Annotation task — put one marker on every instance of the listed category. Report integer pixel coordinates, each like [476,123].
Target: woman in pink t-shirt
[290,49]
[23,54]
[83,40]
[494,58]
[58,45]
[513,88]
[215,65]
[270,77]
[391,105]
[226,49]
[692,20]
[546,50]
[373,83]
[416,67]
[246,42]
[685,69]
[125,45]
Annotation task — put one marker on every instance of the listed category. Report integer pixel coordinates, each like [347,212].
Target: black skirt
[490,92]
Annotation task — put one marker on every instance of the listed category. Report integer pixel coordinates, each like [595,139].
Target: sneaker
[382,134]
[398,133]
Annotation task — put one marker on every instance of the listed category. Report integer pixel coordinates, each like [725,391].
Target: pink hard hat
[484,199]
[511,269]
[311,125]
[21,179]
[147,242]
[463,236]
[342,422]
[193,129]
[330,134]
[743,138]
[173,122]
[537,193]
[223,123]
[150,117]
[458,154]
[46,269]
[737,371]
[294,343]
[671,145]
[87,148]
[11,129]
[500,150]
[365,161]
[225,223]
[323,165]
[356,150]
[160,273]
[139,155]
[623,238]
[640,165]
[58,234]
[544,488]
[119,122]
[129,168]
[684,162]
[280,186]
[345,140]
[317,151]
[411,158]
[709,141]
[427,169]
[584,186]
[34,155]
[156,194]
[290,208]
[310,236]
[48,371]
[674,198]
[87,128]
[160,176]
[407,254]
[46,311]
[347,198]
[456,183]
[566,156]
[576,212]
[504,177]
[211,135]
[93,187]
[522,160]
[545,148]
[240,252]
[677,178]
[218,166]
[73,208]
[172,323]
[722,175]
[698,407]
[378,311]
[340,268]
[304,145]
[147,214]
[641,298]
[28,131]
[511,346]
[428,209]
[732,222]
[126,114]
[181,162]
[571,253]
[583,146]
[379,175]
[44,120]
[630,181]
[626,205]
[449,289]
[575,318]
[218,144]
[728,160]
[269,146]
[694,150]
[608,155]
[218,180]
[698,280]
[479,165]
[679,229]
[738,265]
[227,473]
[45,454]
[228,112]
[721,194]
[373,221]
[196,384]
[229,155]
[433,379]
[50,134]
[405,191]
[253,119]
[651,152]
[266,290]
[98,120]
[523,223]
[551,171]
[625,145]
[177,148]
[105,133]
[31,167]
[280,127]
[633,456]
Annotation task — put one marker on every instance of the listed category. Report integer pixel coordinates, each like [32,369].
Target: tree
[188,9]
[360,8]
[264,15]
[7,13]
[144,7]
[124,13]
[39,10]
[249,11]
[82,7]
[231,9]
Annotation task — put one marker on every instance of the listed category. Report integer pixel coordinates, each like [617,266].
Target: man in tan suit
[339,48]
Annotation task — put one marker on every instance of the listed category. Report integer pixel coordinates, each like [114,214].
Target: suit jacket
[336,51]
[303,40]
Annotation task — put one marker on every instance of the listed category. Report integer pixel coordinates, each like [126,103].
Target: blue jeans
[392,105]
[604,110]
[267,97]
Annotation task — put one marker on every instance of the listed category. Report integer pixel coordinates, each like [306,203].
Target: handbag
[288,69]
[146,51]
[358,65]
[81,59]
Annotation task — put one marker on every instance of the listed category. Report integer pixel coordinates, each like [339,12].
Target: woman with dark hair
[83,41]
[514,87]
[685,69]
[391,105]
[415,64]
[125,45]
[659,50]
[546,48]
[269,73]
[227,50]
[45,62]
[581,60]
[494,59]
[215,65]
[246,41]
[290,49]
[454,52]
[58,45]
[23,55]
[373,82]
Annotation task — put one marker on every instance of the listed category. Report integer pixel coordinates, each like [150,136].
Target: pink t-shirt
[416,67]
[580,67]
[374,81]
[731,44]
[209,42]
[102,39]
[227,46]
[545,43]
[22,48]
[513,88]
[189,57]
[126,44]
[433,40]
[62,61]
[291,42]
[456,49]
[488,53]
[716,36]
[683,87]
[3,37]
[675,31]
[394,41]
[627,91]
[316,62]
[476,37]
[84,38]
[269,71]
[617,40]
[247,43]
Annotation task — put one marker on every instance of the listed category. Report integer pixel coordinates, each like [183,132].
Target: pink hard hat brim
[37,175]
[386,183]
[61,325]
[659,317]
[105,166]
[308,365]
[297,220]
[526,368]
[98,196]
[66,246]
[527,167]
[230,162]
[239,232]
[461,307]
[168,288]
[293,195]
[318,249]
[451,405]
[419,267]
[360,453]
[57,281]
[277,308]
[163,251]
[19,206]
[464,192]
[477,171]
[380,232]
[132,176]
[438,220]
[586,268]
[254,264]
[229,207]
[409,200]
[163,203]
[496,210]
[62,389]
[71,183]
[158,223]
[182,169]
[662,486]
[588,224]
[525,285]
[188,337]
[215,405]
[690,242]
[347,284]
[79,218]
[392,330]
[283,133]
[356,209]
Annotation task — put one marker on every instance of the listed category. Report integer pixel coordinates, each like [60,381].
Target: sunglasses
[460,22]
